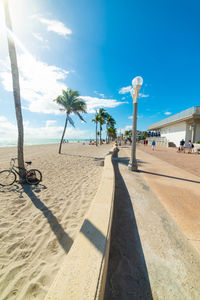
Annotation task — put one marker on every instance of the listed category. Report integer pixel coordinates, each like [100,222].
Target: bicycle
[8,177]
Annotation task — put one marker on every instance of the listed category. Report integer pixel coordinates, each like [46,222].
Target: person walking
[191,146]
[182,143]
[153,145]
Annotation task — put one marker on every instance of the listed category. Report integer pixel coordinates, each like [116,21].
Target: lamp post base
[132,166]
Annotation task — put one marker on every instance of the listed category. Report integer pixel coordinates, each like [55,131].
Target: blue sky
[97,48]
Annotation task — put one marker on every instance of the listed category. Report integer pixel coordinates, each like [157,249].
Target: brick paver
[188,162]
[146,245]
[174,183]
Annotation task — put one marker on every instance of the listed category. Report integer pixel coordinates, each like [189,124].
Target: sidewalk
[188,162]
[150,257]
[177,189]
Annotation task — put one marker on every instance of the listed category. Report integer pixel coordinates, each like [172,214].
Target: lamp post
[137,83]
[120,139]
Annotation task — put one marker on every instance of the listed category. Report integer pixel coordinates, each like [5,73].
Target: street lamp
[120,138]
[137,83]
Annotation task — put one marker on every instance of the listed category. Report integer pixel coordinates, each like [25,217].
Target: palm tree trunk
[100,134]
[96,135]
[16,92]
[61,141]
[106,133]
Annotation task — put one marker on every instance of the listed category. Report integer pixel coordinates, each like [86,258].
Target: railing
[160,141]
[195,110]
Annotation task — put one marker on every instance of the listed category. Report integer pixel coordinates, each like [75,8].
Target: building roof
[183,115]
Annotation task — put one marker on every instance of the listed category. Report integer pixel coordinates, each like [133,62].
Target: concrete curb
[83,273]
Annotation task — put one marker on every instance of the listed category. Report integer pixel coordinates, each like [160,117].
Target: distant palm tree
[70,103]
[128,133]
[112,133]
[16,91]
[110,122]
[96,120]
[102,117]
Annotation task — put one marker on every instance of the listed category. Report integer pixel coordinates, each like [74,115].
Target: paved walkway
[151,256]
[188,162]
[176,187]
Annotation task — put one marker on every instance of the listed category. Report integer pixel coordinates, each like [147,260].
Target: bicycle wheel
[7,177]
[33,176]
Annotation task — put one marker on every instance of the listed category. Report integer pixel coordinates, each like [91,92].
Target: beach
[38,224]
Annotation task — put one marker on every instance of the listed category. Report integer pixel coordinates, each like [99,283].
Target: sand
[39,224]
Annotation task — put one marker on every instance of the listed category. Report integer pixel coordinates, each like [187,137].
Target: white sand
[39,224]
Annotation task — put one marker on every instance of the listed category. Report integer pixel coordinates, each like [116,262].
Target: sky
[97,48]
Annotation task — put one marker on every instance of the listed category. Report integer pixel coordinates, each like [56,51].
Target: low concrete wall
[83,273]
[196,148]
[160,141]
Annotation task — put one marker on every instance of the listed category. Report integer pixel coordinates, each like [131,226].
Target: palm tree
[102,117]
[16,91]
[70,103]
[110,122]
[101,123]
[128,133]
[112,133]
[96,120]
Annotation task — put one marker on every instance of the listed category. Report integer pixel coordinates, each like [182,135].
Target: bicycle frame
[13,167]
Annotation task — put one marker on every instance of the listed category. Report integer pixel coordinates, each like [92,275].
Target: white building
[184,125]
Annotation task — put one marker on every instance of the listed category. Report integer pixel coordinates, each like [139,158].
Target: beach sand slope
[39,224]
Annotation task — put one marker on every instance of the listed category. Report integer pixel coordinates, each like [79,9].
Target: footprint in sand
[13,247]
[4,225]
[23,255]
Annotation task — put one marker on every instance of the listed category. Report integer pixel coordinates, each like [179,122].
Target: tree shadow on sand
[64,240]
[84,156]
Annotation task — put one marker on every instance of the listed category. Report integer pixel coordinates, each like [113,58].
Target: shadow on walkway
[127,276]
[172,177]
[64,240]
[125,161]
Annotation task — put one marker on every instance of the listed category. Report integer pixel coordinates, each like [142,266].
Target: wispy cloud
[38,36]
[143,95]
[53,25]
[40,83]
[138,116]
[44,42]
[99,94]
[167,113]
[94,103]
[125,90]
[50,122]
[128,127]
[8,130]
[129,89]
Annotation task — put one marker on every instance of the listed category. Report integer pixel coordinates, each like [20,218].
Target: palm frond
[71,102]
[78,114]
[71,121]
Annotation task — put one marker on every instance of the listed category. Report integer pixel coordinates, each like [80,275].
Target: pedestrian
[182,143]
[153,145]
[191,146]
[146,142]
